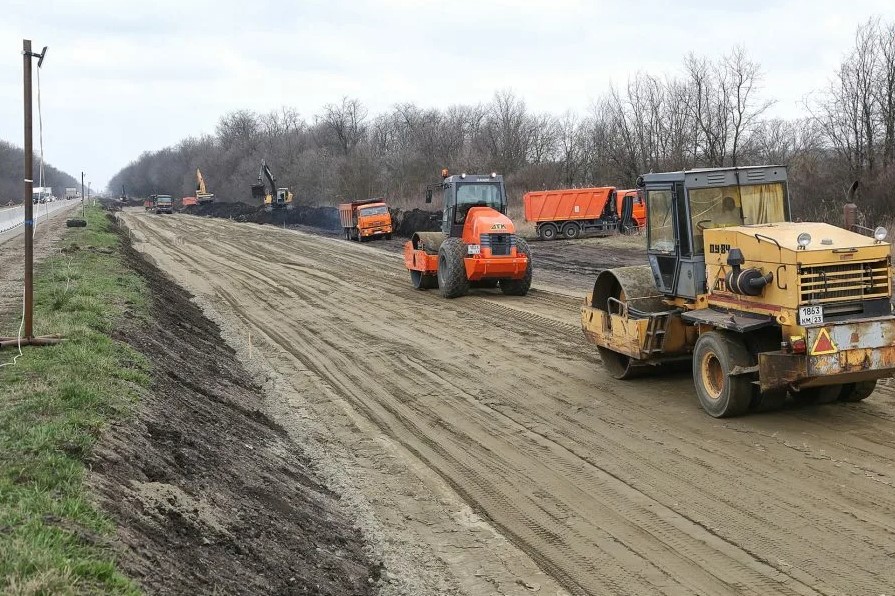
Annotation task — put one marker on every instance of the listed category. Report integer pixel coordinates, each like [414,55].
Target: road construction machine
[477,245]
[762,306]
[366,220]
[273,197]
[203,197]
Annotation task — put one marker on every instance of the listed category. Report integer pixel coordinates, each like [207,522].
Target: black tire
[388,236]
[519,287]
[421,281]
[720,394]
[768,401]
[854,392]
[452,278]
[570,231]
[348,234]
[547,232]
[818,395]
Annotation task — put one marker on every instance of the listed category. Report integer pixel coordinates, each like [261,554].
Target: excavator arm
[266,173]
[200,182]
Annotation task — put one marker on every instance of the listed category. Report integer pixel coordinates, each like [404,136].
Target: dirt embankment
[209,494]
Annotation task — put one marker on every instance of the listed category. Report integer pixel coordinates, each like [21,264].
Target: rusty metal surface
[632,285]
[621,335]
[779,370]
[727,320]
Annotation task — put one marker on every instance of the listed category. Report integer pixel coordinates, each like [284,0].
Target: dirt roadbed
[488,447]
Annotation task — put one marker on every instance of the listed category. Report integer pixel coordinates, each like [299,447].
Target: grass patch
[53,406]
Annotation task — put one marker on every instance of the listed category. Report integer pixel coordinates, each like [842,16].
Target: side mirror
[428,195]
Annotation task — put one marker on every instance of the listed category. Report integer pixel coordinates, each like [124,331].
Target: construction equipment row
[759,306]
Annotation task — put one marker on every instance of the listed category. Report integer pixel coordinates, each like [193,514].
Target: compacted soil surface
[485,448]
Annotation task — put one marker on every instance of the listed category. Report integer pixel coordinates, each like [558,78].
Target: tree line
[12,159]
[712,113]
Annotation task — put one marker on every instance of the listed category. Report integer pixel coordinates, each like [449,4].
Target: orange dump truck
[631,209]
[364,220]
[571,212]
[188,201]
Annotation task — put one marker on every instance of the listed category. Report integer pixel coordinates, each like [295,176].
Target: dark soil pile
[319,217]
[209,494]
[326,218]
[416,220]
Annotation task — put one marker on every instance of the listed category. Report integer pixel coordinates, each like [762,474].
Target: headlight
[804,239]
[880,233]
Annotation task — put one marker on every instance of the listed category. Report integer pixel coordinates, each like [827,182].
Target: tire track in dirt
[607,488]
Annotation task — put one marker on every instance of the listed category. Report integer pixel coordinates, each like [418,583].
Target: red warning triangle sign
[823,344]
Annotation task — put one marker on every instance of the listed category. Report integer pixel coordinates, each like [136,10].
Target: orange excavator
[477,245]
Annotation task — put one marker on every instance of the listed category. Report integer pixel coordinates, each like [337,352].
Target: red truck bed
[565,205]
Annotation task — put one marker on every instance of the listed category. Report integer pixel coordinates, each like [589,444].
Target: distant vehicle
[164,204]
[570,212]
[203,197]
[365,220]
[149,204]
[71,193]
[41,194]
[631,210]
[272,197]
[188,201]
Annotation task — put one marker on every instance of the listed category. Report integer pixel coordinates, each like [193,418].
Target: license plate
[811,315]
[474,249]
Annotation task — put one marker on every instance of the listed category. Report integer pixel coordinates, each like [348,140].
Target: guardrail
[14,217]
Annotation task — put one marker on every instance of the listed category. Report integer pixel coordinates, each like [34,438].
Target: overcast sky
[124,77]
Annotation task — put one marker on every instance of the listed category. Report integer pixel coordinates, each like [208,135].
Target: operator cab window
[381,210]
[476,195]
[727,206]
[661,221]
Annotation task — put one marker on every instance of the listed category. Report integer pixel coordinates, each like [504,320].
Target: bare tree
[345,122]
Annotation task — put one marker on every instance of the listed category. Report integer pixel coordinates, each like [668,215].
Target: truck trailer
[571,212]
[365,220]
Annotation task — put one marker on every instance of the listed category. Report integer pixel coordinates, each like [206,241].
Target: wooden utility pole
[28,316]
[29,192]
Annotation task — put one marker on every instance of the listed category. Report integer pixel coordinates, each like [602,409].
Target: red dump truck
[571,212]
[365,220]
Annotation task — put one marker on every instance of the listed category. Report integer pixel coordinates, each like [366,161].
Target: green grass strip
[53,406]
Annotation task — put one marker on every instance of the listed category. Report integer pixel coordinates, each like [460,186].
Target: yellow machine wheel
[714,357]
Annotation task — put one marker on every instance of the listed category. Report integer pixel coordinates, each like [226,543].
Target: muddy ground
[210,494]
[496,455]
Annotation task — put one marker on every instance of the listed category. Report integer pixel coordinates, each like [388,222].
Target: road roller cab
[762,306]
[477,245]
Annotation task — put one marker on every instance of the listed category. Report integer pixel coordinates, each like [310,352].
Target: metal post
[29,189]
